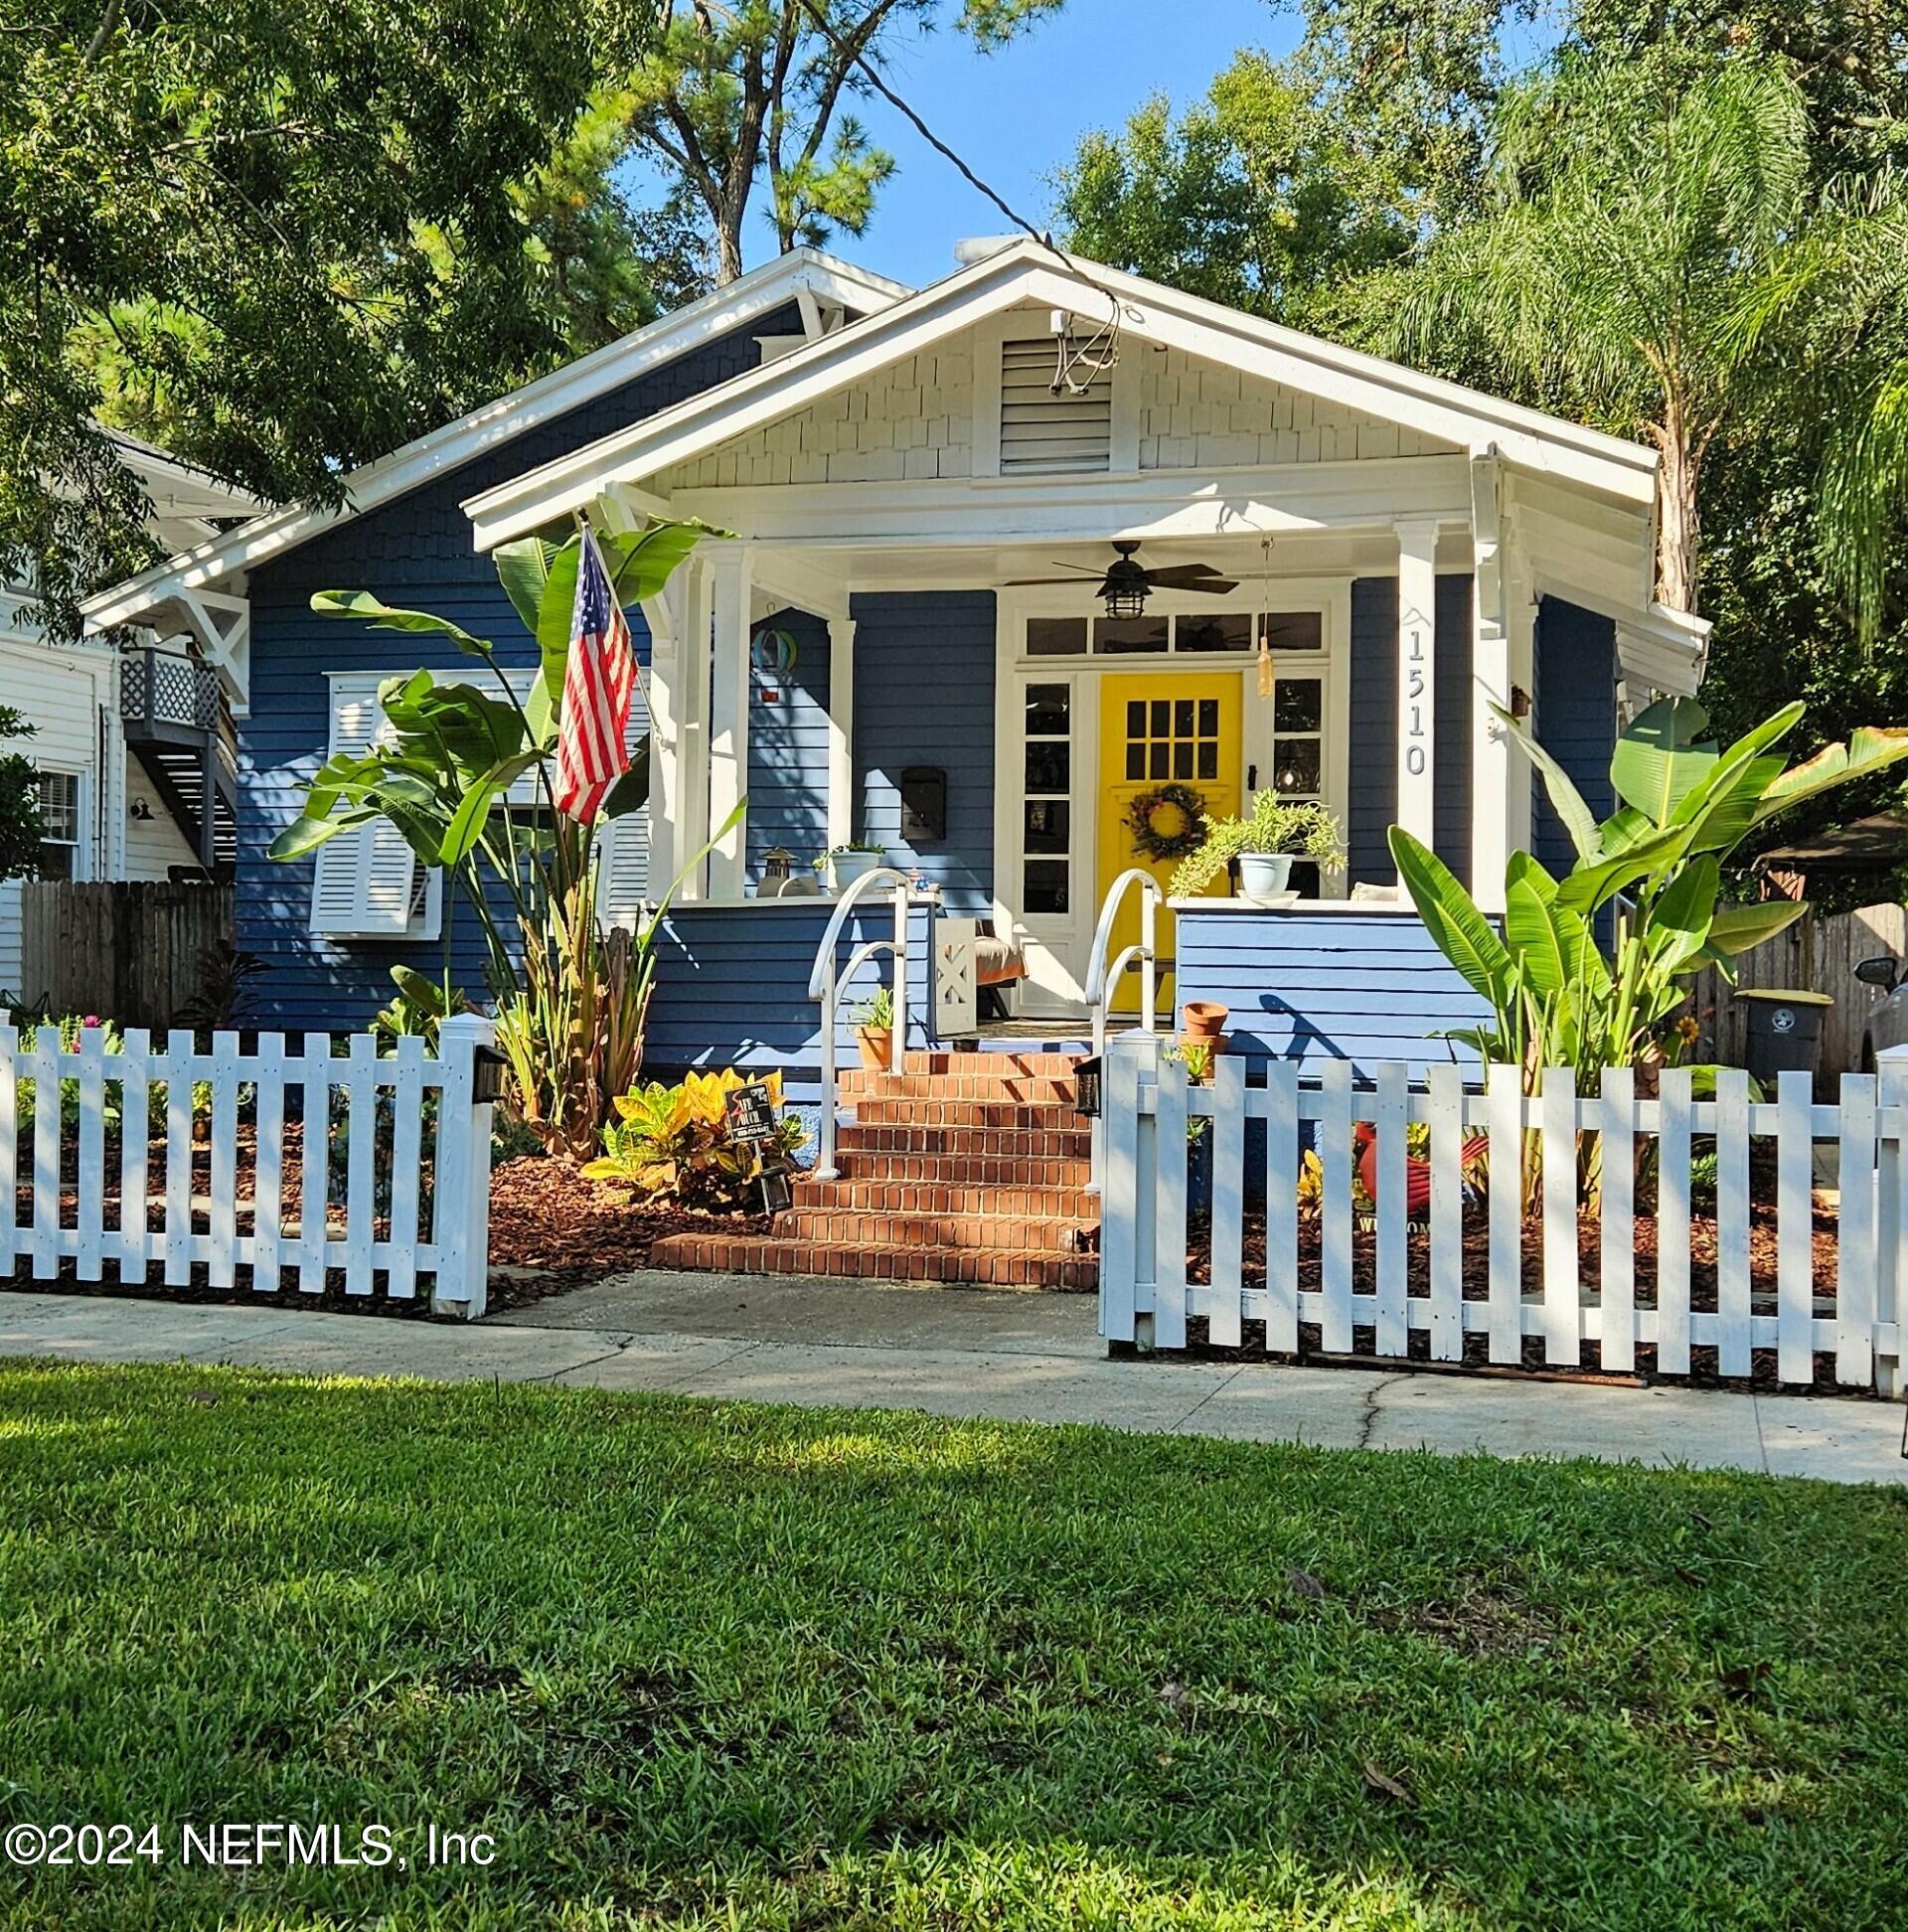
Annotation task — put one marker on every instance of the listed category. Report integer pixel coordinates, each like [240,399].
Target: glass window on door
[1047,830]
[59,825]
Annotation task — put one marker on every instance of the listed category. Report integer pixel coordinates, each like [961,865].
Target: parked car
[1888,1024]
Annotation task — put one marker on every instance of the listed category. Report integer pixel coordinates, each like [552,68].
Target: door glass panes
[1297,704]
[1116,636]
[1045,887]
[1048,767]
[1046,816]
[1229,630]
[1172,739]
[1046,825]
[1056,637]
[1298,747]
[1046,711]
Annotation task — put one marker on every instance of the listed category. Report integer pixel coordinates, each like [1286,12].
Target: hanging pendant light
[1265,617]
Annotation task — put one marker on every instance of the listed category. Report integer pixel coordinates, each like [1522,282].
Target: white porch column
[1520,647]
[841,731]
[691,714]
[664,615]
[1495,765]
[729,693]
[1418,674]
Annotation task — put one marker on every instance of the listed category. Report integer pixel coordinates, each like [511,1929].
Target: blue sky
[1015,117]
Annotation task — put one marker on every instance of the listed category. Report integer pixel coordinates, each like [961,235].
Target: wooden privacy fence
[1644,1281]
[128,952]
[1819,956]
[279,1164]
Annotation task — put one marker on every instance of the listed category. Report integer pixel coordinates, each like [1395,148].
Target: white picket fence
[1146,1296]
[406,1197]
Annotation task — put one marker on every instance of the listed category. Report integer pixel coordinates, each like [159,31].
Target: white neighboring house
[129,744]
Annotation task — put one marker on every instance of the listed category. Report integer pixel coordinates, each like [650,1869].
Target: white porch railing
[826,985]
[1383,1279]
[1103,977]
[247,1184]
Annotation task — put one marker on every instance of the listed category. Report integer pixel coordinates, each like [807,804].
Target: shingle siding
[414,551]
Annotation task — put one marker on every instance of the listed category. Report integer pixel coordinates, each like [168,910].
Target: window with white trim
[59,825]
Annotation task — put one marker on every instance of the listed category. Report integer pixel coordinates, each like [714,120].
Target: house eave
[1465,419]
[280,530]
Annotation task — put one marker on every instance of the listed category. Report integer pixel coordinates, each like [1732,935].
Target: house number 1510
[1414,746]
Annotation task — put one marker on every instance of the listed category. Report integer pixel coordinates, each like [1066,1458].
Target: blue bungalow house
[917,637]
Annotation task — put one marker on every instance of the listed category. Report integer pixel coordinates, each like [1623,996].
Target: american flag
[598,684]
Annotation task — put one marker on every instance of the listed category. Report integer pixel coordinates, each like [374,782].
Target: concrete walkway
[959,1353]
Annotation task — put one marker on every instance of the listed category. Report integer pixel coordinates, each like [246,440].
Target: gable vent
[1044,434]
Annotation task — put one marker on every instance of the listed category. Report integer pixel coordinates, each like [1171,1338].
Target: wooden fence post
[462,1214]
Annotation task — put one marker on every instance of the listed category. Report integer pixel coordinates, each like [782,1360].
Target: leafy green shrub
[671,1143]
[1297,830]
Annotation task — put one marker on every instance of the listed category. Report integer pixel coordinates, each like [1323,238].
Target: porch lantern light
[1126,600]
[1125,585]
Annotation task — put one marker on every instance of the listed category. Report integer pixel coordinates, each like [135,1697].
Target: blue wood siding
[924,696]
[1576,716]
[732,988]
[1314,986]
[1372,798]
[788,748]
[1373,803]
[415,550]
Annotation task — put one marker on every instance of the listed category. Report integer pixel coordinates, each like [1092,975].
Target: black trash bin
[1784,1030]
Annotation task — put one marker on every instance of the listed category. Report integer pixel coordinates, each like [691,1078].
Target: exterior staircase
[967,1168]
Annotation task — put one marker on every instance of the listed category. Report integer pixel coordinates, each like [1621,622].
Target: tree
[299,235]
[22,825]
[1632,217]
[1262,197]
[736,94]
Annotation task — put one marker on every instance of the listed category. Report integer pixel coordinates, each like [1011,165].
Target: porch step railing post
[463,1170]
[1103,975]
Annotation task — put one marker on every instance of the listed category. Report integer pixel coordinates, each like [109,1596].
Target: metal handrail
[1103,975]
[824,984]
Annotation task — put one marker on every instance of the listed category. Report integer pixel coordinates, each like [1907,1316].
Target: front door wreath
[1168,822]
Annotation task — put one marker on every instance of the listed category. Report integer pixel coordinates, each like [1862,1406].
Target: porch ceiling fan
[1125,584]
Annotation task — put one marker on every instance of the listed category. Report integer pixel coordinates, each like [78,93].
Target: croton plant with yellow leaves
[671,1143]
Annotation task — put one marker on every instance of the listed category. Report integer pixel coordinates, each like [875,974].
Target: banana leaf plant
[569,1010]
[1650,874]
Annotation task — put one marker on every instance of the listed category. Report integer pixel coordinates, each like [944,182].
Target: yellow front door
[1162,728]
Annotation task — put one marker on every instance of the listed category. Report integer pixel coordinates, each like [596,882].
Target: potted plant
[845,864]
[874,1031]
[1264,843]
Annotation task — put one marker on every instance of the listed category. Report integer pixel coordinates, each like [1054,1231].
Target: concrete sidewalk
[960,1352]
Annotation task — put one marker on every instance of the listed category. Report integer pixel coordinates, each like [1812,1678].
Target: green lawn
[697,1664]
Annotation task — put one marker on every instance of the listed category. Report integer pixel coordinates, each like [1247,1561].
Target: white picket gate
[226,1210]
[1146,1295]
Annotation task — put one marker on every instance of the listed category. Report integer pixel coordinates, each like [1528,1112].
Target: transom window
[1181,634]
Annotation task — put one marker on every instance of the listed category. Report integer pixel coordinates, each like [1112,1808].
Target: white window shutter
[622,847]
[366,883]
[1049,434]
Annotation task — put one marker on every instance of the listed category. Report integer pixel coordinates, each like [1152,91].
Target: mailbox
[923,804]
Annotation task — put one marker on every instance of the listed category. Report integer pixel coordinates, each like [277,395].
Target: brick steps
[961,1233]
[887,1192]
[997,1143]
[1027,1089]
[966,1167]
[962,1267]
[998,1115]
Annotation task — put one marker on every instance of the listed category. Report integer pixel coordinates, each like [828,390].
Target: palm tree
[1630,215]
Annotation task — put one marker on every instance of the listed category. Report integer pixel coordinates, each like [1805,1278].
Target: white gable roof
[1028,272]
[804,275]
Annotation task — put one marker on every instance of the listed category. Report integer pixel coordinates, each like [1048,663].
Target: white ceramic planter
[1264,875]
[845,868]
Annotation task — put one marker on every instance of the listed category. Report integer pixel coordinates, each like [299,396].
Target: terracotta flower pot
[877,1049]
[1204,1019]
